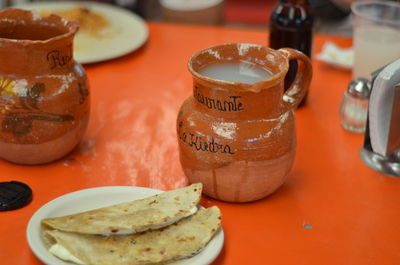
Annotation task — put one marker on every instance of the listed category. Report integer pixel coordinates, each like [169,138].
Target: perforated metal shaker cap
[359,88]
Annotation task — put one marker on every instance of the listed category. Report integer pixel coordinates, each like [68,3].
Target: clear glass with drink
[376,36]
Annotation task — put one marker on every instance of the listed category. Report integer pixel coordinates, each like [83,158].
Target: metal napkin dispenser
[381,150]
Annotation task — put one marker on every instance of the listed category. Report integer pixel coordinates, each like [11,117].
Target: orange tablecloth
[332,210]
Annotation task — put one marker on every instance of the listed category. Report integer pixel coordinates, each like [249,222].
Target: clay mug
[238,139]
[44,103]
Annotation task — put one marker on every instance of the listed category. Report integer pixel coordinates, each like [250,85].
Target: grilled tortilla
[180,240]
[131,217]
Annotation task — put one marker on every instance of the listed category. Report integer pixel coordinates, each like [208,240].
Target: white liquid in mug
[242,72]
[374,47]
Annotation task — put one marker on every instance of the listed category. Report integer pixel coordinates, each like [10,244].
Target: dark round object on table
[14,195]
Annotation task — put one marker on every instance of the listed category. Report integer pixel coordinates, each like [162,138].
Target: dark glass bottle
[291,25]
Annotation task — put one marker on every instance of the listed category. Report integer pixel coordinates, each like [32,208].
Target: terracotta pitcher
[239,139]
[44,104]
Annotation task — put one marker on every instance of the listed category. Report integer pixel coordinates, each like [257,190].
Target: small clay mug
[44,103]
[238,139]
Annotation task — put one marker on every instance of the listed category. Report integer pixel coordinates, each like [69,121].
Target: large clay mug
[239,139]
[44,104]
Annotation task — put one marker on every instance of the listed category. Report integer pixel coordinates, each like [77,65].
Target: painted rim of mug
[274,79]
[69,25]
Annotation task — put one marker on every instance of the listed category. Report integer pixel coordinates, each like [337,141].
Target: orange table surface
[332,209]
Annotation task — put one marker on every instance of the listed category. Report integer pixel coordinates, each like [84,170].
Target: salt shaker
[354,105]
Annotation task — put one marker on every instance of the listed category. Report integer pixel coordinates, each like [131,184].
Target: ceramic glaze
[239,139]
[44,93]
[242,72]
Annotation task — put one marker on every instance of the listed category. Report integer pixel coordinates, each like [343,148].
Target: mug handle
[299,87]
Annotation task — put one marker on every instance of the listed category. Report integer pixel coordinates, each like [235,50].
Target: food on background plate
[91,23]
[157,229]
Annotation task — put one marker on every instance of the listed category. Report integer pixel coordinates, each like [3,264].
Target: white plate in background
[93,198]
[125,32]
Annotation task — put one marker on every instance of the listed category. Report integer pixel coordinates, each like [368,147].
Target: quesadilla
[131,217]
[180,240]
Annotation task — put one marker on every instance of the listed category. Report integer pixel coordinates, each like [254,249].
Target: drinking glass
[376,36]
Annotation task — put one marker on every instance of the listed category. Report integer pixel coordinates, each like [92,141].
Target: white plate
[125,33]
[88,199]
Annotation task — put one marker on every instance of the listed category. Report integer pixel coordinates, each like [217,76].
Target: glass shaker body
[354,105]
[353,113]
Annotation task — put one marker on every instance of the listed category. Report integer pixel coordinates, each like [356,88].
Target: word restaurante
[230,105]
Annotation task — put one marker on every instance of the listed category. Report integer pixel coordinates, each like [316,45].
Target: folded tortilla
[131,217]
[180,240]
